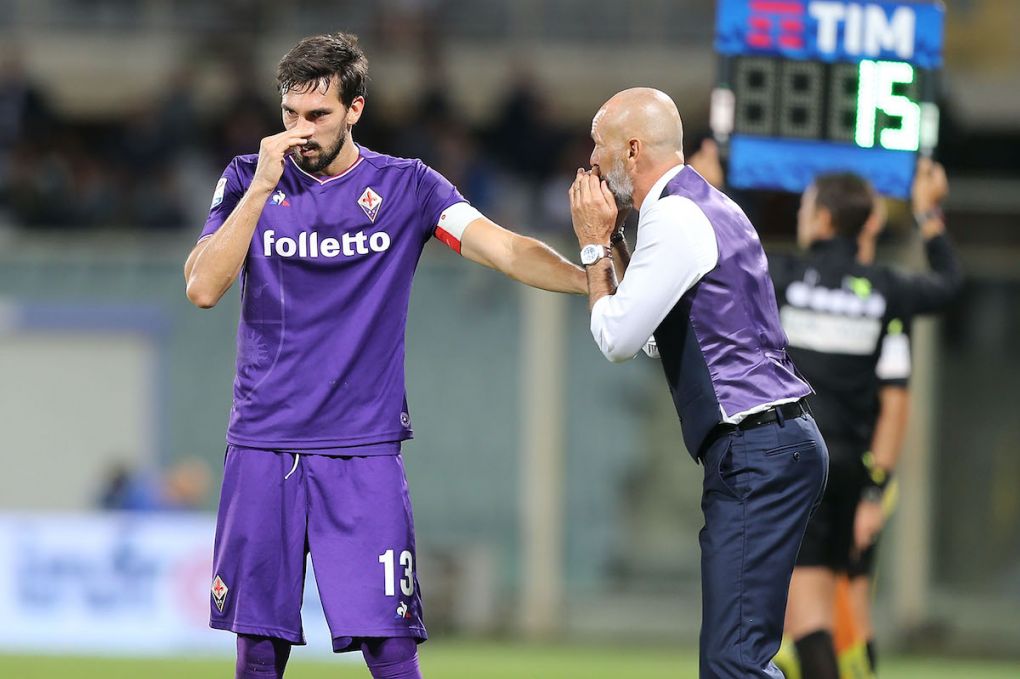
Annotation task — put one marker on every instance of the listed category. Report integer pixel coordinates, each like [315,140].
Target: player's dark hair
[316,60]
[849,198]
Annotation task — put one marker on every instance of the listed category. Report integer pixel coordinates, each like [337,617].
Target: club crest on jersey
[370,202]
[280,198]
[219,593]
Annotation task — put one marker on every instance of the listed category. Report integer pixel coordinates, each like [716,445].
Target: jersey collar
[322,181]
[659,185]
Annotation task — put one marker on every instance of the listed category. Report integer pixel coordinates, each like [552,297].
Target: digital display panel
[811,86]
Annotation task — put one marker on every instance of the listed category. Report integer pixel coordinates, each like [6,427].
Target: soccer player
[324,236]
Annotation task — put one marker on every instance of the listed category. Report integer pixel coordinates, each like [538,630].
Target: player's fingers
[291,142]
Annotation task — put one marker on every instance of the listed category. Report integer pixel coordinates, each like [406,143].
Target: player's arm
[677,248]
[215,262]
[523,259]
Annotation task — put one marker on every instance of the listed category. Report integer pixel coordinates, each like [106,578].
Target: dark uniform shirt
[841,317]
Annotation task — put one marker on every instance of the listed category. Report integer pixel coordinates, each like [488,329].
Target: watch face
[590,254]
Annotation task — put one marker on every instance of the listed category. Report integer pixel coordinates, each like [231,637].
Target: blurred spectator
[185,485]
[524,138]
[24,115]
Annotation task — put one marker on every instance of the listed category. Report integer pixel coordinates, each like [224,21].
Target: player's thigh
[361,539]
[810,606]
[259,551]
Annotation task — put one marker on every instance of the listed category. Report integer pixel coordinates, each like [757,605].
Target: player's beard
[621,185]
[325,158]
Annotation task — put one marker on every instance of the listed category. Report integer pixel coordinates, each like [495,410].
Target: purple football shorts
[352,514]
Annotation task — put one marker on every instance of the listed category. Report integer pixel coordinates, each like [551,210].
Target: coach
[698,284]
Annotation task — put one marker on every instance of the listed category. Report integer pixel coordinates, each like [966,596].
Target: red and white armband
[453,221]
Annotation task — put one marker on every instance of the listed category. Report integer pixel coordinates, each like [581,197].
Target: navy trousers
[761,486]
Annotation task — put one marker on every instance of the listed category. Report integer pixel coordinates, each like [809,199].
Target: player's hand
[592,209]
[707,163]
[868,522]
[273,152]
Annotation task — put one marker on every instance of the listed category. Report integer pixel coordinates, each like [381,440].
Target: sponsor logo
[219,593]
[403,611]
[405,420]
[280,198]
[847,320]
[310,245]
[856,28]
[856,298]
[370,202]
[221,187]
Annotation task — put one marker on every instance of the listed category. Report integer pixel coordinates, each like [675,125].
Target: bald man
[697,293]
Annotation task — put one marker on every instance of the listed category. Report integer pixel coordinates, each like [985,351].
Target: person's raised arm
[214,263]
[928,292]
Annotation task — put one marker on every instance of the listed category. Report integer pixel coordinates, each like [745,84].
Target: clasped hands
[593,209]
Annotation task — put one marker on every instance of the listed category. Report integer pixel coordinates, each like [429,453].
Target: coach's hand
[592,209]
[273,152]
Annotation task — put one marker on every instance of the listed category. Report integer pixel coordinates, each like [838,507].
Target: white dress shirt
[675,247]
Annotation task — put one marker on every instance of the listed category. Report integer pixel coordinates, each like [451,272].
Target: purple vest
[722,347]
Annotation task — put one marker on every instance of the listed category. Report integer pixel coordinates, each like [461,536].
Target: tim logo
[855,29]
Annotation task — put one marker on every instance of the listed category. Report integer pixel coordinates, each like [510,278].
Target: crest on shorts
[370,202]
[219,593]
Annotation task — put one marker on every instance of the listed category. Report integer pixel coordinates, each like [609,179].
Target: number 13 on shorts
[389,574]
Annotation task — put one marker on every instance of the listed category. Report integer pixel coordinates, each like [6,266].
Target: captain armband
[452,223]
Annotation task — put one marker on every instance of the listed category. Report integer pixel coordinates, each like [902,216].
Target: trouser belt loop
[780,418]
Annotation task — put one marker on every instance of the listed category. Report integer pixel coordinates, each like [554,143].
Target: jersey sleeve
[226,195]
[894,358]
[446,213]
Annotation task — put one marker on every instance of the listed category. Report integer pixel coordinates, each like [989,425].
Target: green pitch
[448,660]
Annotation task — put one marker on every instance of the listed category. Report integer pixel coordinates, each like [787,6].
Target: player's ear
[355,110]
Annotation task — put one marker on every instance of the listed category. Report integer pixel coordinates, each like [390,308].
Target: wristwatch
[593,253]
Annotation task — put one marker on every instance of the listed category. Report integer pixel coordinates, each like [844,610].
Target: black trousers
[761,486]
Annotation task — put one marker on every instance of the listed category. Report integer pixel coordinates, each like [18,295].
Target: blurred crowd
[154,167]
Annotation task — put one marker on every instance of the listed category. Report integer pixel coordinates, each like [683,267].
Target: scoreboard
[813,86]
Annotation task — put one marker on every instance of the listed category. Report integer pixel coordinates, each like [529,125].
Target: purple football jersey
[324,296]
